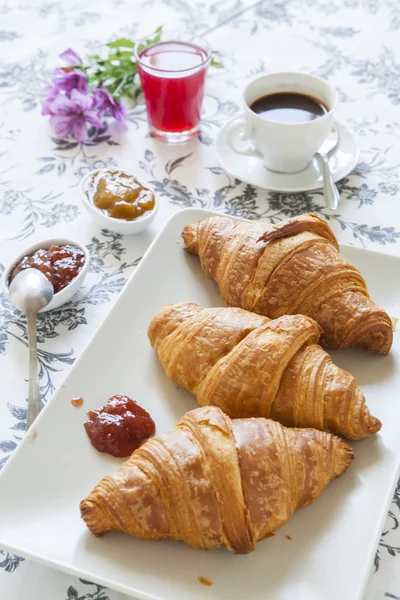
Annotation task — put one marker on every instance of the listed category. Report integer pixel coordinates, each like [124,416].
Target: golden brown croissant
[291,268]
[250,366]
[214,483]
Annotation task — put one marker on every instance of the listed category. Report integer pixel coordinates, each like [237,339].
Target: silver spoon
[331,193]
[31,291]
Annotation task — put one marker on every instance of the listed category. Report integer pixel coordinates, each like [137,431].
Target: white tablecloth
[353,43]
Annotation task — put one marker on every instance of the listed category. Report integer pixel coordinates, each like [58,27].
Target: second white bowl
[117,225]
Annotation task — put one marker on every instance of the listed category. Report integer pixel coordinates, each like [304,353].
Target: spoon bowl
[30,291]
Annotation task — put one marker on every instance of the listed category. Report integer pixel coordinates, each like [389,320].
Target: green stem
[121,85]
[232,17]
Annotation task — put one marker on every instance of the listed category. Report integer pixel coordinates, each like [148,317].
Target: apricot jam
[119,427]
[120,195]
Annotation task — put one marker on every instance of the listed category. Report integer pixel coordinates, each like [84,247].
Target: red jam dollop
[119,427]
[60,264]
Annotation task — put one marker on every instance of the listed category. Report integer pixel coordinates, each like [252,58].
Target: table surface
[352,43]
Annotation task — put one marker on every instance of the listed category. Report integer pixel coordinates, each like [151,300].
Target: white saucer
[252,170]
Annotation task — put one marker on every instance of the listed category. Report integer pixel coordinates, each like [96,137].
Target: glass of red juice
[172,73]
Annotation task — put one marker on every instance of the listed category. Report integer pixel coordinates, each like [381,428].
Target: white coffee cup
[284,147]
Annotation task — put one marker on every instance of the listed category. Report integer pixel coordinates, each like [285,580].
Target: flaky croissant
[251,366]
[214,483]
[294,267]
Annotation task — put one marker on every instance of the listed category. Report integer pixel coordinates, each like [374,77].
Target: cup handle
[239,137]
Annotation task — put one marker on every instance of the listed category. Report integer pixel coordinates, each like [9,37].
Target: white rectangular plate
[332,541]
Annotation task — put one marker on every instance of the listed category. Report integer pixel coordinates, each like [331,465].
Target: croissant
[291,268]
[251,366]
[214,483]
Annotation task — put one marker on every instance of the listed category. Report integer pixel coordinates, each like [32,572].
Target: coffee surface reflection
[289,107]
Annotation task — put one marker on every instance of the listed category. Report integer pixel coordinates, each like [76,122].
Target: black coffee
[289,107]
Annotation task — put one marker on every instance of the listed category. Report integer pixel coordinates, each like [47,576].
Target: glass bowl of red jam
[118,200]
[63,261]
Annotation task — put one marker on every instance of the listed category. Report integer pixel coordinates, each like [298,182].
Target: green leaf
[157,36]
[120,54]
[94,59]
[121,43]
[214,60]
[215,63]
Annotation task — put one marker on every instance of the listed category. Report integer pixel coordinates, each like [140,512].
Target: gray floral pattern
[25,83]
[353,43]
[91,591]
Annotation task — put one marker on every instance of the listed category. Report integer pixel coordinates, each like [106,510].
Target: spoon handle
[331,193]
[34,402]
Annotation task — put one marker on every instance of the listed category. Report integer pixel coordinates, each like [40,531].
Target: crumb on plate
[204,581]
[288,537]
[32,435]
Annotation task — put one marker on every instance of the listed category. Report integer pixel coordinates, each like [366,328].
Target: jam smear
[60,264]
[119,427]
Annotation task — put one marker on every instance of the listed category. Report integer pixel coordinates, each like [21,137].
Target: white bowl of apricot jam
[63,261]
[118,200]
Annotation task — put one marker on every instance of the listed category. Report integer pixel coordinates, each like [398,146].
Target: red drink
[173,74]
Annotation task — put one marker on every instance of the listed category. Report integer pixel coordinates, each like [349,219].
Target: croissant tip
[383,350]
[346,458]
[370,423]
[378,338]
[190,239]
[375,425]
[378,348]
[88,510]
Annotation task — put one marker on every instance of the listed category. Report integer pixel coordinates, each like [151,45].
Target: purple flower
[70,80]
[64,85]
[70,115]
[106,104]
[52,93]
[70,57]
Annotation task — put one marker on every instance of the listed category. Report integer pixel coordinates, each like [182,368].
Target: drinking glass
[172,73]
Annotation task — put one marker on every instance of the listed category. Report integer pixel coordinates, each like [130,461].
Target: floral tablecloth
[353,43]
